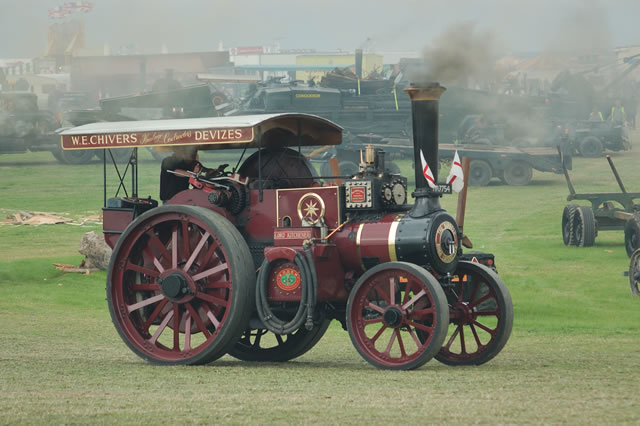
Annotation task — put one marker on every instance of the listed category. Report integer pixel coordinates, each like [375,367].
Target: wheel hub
[467,313]
[174,286]
[393,317]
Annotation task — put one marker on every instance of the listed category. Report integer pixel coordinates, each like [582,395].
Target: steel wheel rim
[476,315]
[399,338]
[159,324]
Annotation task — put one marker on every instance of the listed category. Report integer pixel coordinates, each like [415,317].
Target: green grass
[573,356]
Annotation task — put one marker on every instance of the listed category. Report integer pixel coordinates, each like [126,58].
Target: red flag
[426,172]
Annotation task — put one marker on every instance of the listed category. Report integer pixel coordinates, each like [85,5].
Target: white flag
[426,171]
[456,176]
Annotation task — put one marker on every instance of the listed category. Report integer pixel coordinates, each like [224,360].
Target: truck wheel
[264,346]
[591,147]
[397,316]
[180,285]
[518,173]
[78,156]
[634,273]
[632,235]
[568,223]
[480,316]
[479,173]
[585,227]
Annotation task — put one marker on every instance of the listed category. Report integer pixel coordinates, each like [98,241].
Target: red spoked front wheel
[480,314]
[180,285]
[397,316]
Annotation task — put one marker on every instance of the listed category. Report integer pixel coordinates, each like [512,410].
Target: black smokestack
[359,63]
[425,100]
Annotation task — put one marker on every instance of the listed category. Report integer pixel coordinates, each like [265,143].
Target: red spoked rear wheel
[397,316]
[480,315]
[180,285]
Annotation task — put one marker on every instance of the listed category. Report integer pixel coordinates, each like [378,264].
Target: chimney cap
[425,91]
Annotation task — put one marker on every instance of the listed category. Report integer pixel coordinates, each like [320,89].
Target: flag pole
[462,203]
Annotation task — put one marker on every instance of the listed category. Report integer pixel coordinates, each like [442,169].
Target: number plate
[442,188]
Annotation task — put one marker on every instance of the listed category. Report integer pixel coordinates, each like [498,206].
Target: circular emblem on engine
[310,208]
[446,242]
[288,279]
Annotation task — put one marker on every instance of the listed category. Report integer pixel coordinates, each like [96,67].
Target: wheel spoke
[208,255]
[198,320]
[147,251]
[161,327]
[420,326]
[407,290]
[475,290]
[401,344]
[374,307]
[186,242]
[482,299]
[453,337]
[145,287]
[218,284]
[155,313]
[484,327]
[176,327]
[421,313]
[211,299]
[279,339]
[145,302]
[174,247]
[187,331]
[212,318]
[155,242]
[414,337]
[463,346]
[259,334]
[392,291]
[475,336]
[487,313]
[210,272]
[372,321]
[379,333]
[196,252]
[141,269]
[387,350]
[414,299]
[383,295]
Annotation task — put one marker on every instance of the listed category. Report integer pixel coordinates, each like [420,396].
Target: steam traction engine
[256,262]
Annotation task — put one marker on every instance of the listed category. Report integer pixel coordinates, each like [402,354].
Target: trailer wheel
[632,235]
[479,173]
[348,168]
[634,273]
[568,223]
[518,173]
[78,156]
[397,316]
[584,227]
[480,316]
[591,147]
[180,285]
[264,346]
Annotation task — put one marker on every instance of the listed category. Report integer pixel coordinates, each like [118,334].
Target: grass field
[573,356]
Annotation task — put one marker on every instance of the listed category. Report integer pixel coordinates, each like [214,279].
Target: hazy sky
[199,25]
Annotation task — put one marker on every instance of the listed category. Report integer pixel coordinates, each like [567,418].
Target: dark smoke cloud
[460,54]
